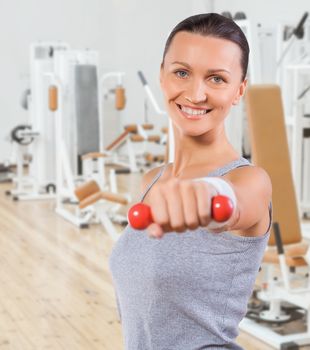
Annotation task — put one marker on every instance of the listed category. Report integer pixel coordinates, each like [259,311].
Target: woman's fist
[178,205]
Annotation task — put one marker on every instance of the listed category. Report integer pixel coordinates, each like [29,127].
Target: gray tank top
[185,291]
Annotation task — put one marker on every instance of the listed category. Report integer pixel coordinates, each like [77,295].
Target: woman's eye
[217,79]
[181,74]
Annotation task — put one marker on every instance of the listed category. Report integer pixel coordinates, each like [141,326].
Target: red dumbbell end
[140,216]
[222,208]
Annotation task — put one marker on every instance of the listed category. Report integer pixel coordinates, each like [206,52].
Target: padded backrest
[86,108]
[87,189]
[271,152]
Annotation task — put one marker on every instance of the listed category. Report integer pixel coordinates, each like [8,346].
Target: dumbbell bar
[140,216]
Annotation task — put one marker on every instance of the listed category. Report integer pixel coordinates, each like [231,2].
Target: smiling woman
[201,75]
[188,289]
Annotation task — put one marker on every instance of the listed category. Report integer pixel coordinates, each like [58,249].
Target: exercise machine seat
[270,150]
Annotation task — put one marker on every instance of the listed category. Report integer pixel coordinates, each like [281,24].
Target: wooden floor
[56,290]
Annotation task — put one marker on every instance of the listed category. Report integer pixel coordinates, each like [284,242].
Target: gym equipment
[133,158]
[25,99]
[297,33]
[120,98]
[270,303]
[96,205]
[292,46]
[26,187]
[130,162]
[153,158]
[296,77]
[236,123]
[74,95]
[239,16]
[149,93]
[133,133]
[227,14]
[6,174]
[127,160]
[168,136]
[121,151]
[221,208]
[143,133]
[140,216]
[158,159]
[36,137]
[292,73]
[53,98]
[23,135]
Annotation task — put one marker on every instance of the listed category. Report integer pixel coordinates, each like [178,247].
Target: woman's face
[201,80]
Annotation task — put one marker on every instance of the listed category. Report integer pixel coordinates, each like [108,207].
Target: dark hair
[214,25]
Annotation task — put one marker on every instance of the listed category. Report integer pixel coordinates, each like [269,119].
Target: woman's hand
[178,205]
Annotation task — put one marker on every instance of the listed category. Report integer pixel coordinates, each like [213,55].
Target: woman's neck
[192,154]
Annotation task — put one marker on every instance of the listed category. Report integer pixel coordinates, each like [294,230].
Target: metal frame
[275,291]
[41,172]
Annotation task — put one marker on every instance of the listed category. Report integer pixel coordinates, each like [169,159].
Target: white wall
[129,35]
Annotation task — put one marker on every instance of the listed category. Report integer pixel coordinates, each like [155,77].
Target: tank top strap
[155,179]
[237,163]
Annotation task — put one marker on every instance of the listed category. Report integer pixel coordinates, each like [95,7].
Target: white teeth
[193,111]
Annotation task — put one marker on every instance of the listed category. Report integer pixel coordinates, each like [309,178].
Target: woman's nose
[197,92]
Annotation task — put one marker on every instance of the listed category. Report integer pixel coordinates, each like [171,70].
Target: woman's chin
[192,132]
[193,128]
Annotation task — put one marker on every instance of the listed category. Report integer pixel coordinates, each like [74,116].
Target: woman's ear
[161,73]
[240,92]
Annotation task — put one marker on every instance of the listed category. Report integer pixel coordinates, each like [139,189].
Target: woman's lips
[193,113]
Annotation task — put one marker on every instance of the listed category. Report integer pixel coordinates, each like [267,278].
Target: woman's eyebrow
[182,63]
[219,70]
[209,71]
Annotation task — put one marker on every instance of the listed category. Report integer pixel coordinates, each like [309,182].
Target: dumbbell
[140,215]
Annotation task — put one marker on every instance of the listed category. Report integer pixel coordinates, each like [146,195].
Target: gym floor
[56,289]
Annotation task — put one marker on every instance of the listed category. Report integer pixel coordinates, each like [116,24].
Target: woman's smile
[193,113]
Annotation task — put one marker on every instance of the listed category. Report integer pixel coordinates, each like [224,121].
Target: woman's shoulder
[252,180]
[253,188]
[250,173]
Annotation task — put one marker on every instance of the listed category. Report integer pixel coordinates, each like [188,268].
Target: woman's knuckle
[204,218]
[177,225]
[173,184]
[162,221]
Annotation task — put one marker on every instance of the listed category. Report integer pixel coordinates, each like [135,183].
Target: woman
[189,289]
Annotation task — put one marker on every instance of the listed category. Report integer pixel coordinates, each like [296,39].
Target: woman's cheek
[171,91]
[222,100]
[166,88]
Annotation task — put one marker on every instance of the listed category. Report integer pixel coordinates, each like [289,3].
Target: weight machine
[141,134]
[73,97]
[279,312]
[36,137]
[293,73]
[74,102]
[168,138]
[63,137]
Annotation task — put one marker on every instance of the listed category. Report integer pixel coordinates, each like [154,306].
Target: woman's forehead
[198,49]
